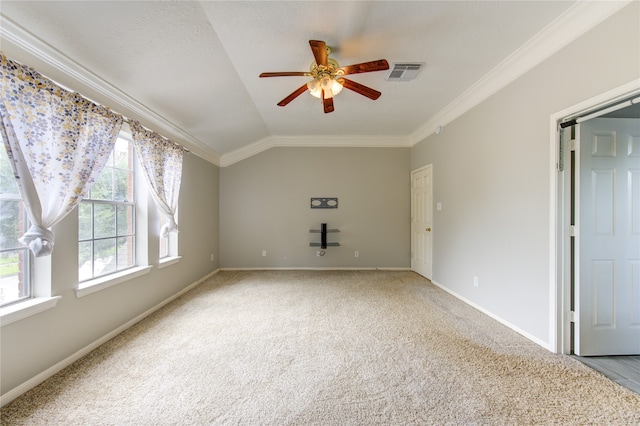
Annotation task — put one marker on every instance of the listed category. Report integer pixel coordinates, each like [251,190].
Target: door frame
[560,321]
[420,169]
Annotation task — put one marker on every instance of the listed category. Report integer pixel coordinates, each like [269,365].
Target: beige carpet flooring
[323,348]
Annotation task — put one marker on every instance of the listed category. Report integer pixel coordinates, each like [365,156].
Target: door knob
[428,229]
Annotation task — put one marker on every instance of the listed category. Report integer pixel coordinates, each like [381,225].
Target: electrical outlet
[264,253]
[356,253]
[476,283]
[212,257]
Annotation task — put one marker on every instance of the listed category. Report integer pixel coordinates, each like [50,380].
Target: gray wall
[265,205]
[492,173]
[34,344]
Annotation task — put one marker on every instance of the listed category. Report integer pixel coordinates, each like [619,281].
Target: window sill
[18,311]
[89,287]
[166,261]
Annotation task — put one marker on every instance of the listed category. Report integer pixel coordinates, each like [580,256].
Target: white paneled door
[421,221]
[608,289]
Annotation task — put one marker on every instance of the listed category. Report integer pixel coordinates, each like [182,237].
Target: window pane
[123,158]
[13,221]
[104,220]
[102,189]
[14,276]
[85,221]
[85,257]
[10,227]
[7,179]
[125,220]
[123,183]
[164,246]
[130,185]
[104,256]
[164,241]
[126,254]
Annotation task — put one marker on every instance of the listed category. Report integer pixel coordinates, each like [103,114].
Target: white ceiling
[196,63]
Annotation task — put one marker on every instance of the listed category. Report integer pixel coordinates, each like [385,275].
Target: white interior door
[421,221]
[608,281]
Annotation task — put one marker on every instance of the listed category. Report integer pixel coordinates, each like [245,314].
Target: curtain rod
[128,121]
[601,112]
[20,67]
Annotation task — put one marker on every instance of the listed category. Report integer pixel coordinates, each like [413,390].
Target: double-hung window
[106,217]
[165,242]
[168,243]
[15,259]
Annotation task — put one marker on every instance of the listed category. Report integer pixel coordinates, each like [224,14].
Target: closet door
[608,290]
[421,221]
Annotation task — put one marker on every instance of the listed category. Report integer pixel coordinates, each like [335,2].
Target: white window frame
[171,240]
[141,266]
[40,298]
[26,253]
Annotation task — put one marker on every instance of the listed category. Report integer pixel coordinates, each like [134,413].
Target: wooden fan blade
[379,65]
[328,104]
[293,95]
[319,49]
[359,88]
[285,74]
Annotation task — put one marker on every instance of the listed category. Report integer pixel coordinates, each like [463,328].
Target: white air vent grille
[404,71]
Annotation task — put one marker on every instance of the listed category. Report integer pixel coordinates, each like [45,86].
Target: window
[106,217]
[164,241]
[15,259]
[168,244]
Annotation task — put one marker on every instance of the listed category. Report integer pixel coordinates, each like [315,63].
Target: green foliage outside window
[14,258]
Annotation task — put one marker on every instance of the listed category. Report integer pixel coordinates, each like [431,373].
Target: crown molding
[574,22]
[28,48]
[313,141]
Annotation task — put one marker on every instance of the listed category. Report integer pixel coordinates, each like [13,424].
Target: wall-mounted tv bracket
[323,244]
[324,203]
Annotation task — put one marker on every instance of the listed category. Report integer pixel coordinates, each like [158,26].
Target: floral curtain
[161,161]
[57,142]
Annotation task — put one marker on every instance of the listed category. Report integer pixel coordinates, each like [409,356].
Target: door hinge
[572,316]
[572,230]
[572,145]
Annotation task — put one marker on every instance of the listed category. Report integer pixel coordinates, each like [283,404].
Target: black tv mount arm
[323,244]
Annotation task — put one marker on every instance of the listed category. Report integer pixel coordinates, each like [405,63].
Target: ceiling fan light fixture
[330,86]
[315,88]
[328,77]
[336,87]
[326,85]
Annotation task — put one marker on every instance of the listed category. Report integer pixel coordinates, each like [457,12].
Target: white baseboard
[35,381]
[548,346]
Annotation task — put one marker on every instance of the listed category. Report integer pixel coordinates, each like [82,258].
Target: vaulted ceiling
[189,69]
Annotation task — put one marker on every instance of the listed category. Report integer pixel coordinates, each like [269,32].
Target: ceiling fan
[328,77]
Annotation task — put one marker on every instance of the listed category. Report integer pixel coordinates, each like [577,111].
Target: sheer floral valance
[57,142]
[161,160]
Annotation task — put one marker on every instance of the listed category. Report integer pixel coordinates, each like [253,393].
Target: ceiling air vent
[404,71]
